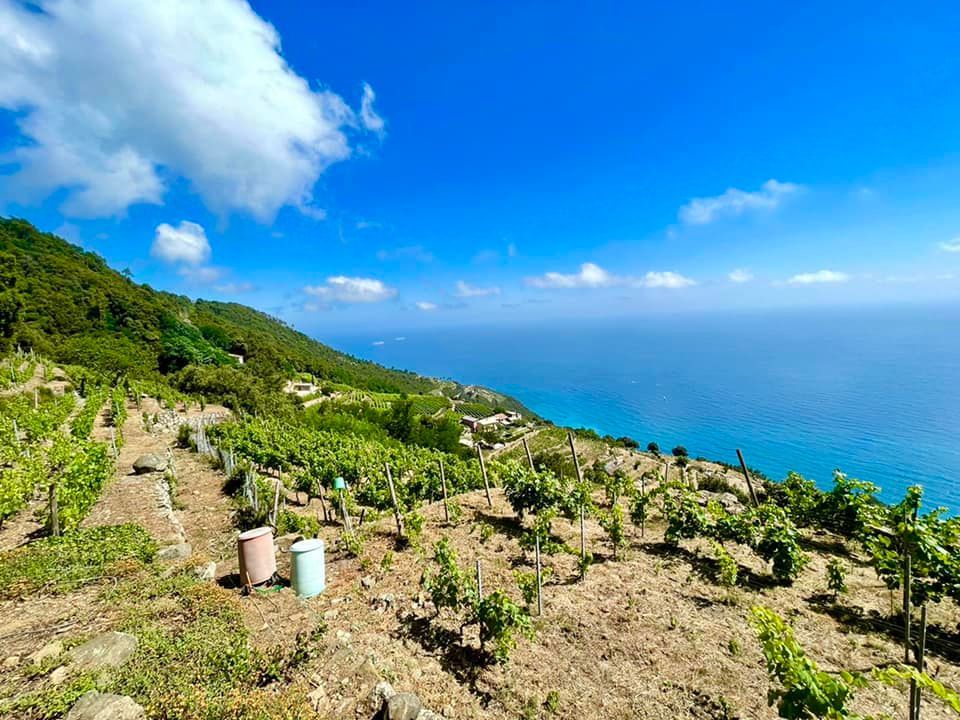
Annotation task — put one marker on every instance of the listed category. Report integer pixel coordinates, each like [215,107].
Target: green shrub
[728,566]
[290,522]
[502,622]
[183,436]
[447,584]
[836,577]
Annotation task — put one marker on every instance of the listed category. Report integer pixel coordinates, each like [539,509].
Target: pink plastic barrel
[258,560]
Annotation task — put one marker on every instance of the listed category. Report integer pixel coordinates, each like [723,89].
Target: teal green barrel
[308,573]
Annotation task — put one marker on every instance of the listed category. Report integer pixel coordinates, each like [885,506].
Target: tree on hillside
[10,300]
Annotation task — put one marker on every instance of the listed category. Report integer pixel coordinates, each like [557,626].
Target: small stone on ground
[105,706]
[151,462]
[111,649]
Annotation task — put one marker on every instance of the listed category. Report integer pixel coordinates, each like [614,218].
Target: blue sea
[872,391]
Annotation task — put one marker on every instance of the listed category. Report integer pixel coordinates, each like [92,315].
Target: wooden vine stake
[583,545]
[921,651]
[526,449]
[666,471]
[393,499]
[539,577]
[746,474]
[583,537]
[276,503]
[479,581]
[54,511]
[486,482]
[323,503]
[443,484]
[347,524]
[643,494]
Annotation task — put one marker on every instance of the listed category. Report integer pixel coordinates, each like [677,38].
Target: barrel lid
[255,533]
[306,545]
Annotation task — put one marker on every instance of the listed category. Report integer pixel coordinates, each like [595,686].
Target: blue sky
[386,167]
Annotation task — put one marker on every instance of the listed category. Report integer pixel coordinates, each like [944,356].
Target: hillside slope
[69,305]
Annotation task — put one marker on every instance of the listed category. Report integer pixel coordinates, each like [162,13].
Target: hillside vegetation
[519,570]
[69,305]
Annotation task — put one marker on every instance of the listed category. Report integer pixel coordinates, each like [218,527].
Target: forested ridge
[67,304]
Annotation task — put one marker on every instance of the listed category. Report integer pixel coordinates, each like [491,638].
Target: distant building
[301,389]
[238,358]
[477,424]
[491,420]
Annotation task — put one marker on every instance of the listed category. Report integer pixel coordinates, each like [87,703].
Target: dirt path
[145,499]
[204,511]
[135,498]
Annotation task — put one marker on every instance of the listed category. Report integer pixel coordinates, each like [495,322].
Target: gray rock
[12,661]
[105,706]
[318,698]
[207,571]
[382,692]
[383,602]
[110,649]
[728,501]
[368,581]
[429,715]
[59,675]
[171,553]
[50,650]
[151,462]
[402,706]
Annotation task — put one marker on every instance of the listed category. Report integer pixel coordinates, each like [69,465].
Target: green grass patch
[57,565]
[194,660]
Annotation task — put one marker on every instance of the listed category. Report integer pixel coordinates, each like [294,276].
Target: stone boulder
[108,650]
[172,553]
[50,650]
[402,706]
[149,463]
[105,706]
[207,571]
[727,500]
[398,706]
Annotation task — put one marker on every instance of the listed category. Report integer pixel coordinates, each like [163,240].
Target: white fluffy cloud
[950,246]
[117,98]
[592,275]
[426,306]
[466,290]
[343,289]
[368,116]
[589,275]
[185,243]
[740,275]
[704,210]
[666,279]
[821,276]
